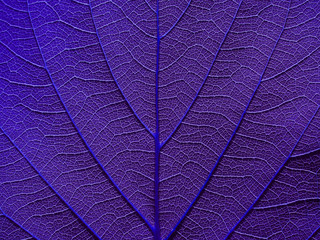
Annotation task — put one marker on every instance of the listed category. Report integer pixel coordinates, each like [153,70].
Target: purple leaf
[159,119]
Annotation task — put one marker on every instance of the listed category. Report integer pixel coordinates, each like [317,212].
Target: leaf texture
[158,119]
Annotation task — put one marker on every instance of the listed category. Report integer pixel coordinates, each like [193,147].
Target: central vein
[157,142]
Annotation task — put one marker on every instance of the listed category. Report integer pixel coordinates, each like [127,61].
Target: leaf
[159,119]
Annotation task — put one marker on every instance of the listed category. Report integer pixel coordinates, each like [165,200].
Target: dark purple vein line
[16,223]
[234,132]
[50,186]
[316,199]
[113,76]
[149,6]
[19,56]
[178,20]
[271,180]
[205,79]
[81,136]
[80,3]
[305,153]
[156,234]
[313,233]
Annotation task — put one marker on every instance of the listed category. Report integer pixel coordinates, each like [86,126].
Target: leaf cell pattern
[159,119]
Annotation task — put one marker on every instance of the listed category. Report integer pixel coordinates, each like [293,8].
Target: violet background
[167,119]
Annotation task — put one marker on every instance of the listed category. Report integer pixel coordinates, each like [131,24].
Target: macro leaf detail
[159,119]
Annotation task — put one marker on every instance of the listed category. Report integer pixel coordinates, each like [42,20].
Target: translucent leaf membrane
[159,119]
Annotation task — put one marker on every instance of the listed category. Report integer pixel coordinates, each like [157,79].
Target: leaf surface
[159,119]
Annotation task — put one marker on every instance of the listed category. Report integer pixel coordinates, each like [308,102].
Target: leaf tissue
[159,119]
